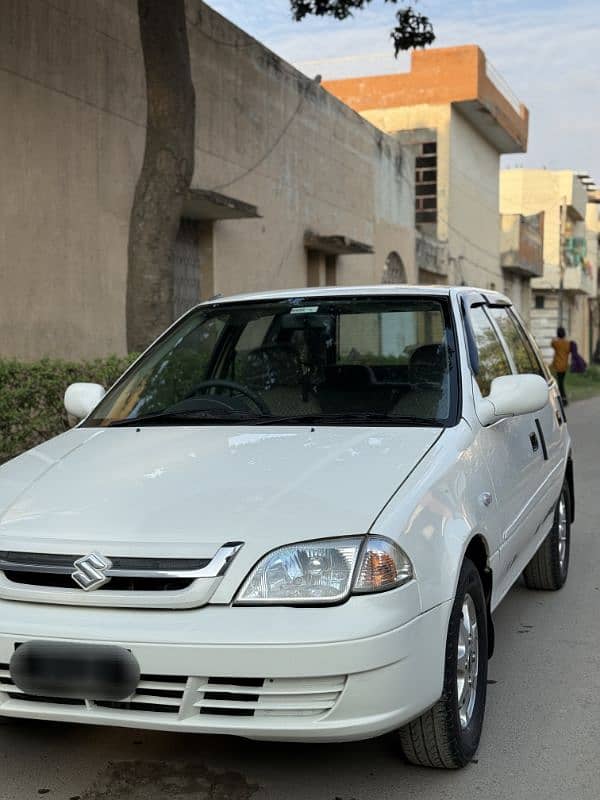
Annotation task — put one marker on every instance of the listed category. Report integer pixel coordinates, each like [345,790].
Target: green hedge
[31,397]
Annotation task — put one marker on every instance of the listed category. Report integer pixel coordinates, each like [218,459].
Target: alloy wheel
[562,531]
[467,661]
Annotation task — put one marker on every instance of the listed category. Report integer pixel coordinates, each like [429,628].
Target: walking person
[560,363]
[578,362]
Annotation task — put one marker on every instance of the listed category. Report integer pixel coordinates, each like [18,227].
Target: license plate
[75,671]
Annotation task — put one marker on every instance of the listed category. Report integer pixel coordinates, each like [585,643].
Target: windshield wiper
[347,418]
[239,418]
[182,416]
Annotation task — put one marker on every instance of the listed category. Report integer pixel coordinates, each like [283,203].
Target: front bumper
[256,685]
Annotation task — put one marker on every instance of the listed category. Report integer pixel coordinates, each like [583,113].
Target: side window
[536,356]
[492,358]
[519,347]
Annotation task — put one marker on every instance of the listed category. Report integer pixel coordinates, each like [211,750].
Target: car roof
[366,291]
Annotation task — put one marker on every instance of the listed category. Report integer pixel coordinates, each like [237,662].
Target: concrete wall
[72,100]
[518,288]
[473,206]
[71,141]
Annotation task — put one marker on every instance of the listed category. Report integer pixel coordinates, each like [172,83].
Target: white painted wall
[473,205]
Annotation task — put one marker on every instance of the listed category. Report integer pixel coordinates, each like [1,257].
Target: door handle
[538,425]
[535,445]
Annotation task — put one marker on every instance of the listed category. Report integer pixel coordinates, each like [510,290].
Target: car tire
[549,567]
[447,736]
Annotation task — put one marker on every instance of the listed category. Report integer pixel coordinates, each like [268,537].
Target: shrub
[31,397]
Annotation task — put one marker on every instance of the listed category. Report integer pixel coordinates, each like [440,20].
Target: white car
[290,519]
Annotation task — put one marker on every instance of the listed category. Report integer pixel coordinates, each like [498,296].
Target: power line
[75,97]
[266,155]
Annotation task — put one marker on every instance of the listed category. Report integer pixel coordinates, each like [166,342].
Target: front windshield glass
[303,360]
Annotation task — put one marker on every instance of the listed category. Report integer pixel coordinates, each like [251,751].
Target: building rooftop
[460,76]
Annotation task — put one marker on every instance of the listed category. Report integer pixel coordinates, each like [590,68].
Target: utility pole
[561,263]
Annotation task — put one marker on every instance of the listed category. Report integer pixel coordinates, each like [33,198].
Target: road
[541,737]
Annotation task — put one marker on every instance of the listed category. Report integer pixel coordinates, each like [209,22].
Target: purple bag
[578,364]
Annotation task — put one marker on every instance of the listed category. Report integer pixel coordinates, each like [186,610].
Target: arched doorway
[395,271]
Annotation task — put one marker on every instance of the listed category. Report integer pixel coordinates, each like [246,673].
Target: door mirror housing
[512,396]
[82,398]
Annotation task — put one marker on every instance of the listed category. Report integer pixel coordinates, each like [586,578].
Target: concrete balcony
[522,244]
[573,193]
[579,280]
[459,76]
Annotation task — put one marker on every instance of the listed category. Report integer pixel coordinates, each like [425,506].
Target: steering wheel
[233,386]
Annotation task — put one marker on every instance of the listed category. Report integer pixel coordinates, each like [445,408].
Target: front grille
[50,560]
[269,697]
[55,571]
[98,579]
[161,694]
[212,696]
[114,585]
[155,693]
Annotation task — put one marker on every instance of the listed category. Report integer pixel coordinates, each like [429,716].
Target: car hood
[187,490]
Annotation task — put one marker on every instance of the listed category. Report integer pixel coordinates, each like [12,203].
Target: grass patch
[582,386]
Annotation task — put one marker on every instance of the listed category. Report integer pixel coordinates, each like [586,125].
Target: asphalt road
[541,737]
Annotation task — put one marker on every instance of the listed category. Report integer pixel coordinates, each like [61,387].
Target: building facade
[592,229]
[565,293]
[291,188]
[456,112]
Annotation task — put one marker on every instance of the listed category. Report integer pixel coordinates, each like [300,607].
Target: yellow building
[567,288]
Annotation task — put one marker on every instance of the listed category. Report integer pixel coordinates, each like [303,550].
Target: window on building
[426,184]
[492,358]
[394,271]
[539,301]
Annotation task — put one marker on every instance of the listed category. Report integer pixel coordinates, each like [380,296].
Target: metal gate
[185,262]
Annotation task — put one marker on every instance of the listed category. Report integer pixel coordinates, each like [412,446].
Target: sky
[547,51]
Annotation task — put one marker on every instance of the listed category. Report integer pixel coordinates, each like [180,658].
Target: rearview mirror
[511,396]
[82,398]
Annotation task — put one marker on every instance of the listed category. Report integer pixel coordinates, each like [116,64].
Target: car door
[514,451]
[549,421]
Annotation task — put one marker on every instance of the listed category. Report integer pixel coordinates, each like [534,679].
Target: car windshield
[357,360]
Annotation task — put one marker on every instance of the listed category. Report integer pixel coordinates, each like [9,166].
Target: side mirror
[511,396]
[82,398]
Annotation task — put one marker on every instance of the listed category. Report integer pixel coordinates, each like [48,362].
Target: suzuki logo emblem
[90,571]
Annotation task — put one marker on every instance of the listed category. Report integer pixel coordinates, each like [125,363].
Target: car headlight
[326,571]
